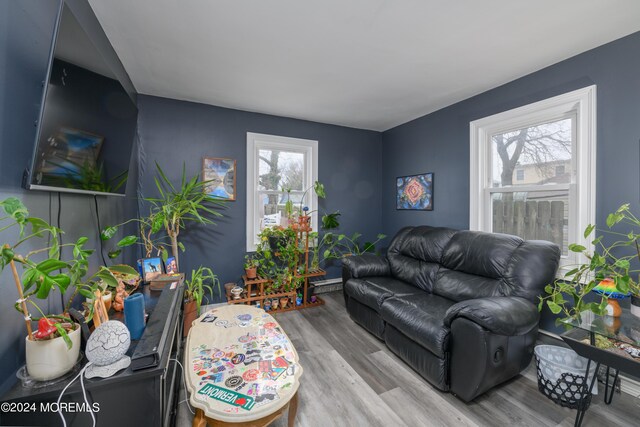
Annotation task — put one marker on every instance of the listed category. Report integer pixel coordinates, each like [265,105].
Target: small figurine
[121,294]
[299,299]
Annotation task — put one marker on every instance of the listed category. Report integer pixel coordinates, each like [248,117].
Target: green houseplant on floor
[202,280]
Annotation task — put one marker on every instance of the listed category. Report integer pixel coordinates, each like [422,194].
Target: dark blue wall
[439,142]
[26,31]
[172,132]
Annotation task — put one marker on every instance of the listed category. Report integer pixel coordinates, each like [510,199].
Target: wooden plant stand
[255,288]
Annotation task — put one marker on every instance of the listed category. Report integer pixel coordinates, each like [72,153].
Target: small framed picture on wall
[415,192]
[221,174]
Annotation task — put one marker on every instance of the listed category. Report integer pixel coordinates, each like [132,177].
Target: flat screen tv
[87,124]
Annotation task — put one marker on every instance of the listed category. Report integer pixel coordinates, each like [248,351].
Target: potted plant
[202,279]
[53,349]
[337,246]
[174,207]
[150,238]
[250,266]
[305,214]
[616,251]
[288,209]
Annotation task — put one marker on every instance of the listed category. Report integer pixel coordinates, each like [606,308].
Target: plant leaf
[64,335]
[589,230]
[127,241]
[108,233]
[114,254]
[123,269]
[574,247]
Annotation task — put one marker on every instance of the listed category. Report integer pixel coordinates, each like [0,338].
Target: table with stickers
[240,367]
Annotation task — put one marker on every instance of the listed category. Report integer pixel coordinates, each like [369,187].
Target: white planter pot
[51,359]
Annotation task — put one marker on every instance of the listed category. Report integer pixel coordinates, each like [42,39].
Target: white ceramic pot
[51,359]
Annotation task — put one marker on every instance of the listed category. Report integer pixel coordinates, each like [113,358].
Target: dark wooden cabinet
[137,396]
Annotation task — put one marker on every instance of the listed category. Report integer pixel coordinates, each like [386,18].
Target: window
[278,168]
[552,197]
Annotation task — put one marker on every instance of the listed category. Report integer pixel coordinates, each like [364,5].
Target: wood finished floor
[352,379]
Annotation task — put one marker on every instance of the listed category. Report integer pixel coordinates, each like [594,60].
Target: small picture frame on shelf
[170,266]
[151,268]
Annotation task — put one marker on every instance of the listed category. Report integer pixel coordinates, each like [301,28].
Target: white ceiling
[371,64]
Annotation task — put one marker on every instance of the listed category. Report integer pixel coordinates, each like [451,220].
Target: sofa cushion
[421,318]
[372,291]
[460,286]
[416,252]
[473,264]
[480,254]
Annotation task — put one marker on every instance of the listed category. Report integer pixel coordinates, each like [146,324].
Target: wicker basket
[561,375]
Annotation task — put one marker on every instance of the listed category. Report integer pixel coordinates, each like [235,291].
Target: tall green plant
[178,205]
[171,211]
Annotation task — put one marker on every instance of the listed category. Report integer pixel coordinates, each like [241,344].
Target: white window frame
[258,141]
[582,189]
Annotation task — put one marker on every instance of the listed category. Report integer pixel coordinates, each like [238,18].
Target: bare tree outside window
[281,175]
[537,152]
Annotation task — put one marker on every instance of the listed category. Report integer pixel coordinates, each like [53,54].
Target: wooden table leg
[199,419]
[293,409]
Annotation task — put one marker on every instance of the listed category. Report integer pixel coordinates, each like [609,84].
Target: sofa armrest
[501,315]
[365,265]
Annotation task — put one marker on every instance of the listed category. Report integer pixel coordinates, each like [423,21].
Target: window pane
[280,169]
[540,215]
[538,154]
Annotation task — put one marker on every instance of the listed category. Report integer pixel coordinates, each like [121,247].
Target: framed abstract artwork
[415,192]
[222,176]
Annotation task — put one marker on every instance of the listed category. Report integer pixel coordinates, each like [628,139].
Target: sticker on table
[237,359]
[209,318]
[243,317]
[234,381]
[275,373]
[246,338]
[265,398]
[251,375]
[227,396]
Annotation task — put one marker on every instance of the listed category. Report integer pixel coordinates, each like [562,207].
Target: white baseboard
[328,282]
[629,386]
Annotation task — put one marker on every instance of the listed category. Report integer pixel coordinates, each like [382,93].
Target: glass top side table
[623,334]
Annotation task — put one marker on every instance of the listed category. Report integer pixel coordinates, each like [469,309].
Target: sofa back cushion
[415,254]
[461,265]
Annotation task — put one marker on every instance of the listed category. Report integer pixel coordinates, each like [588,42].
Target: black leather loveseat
[458,306]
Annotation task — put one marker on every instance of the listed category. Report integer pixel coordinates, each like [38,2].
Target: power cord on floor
[184,384]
